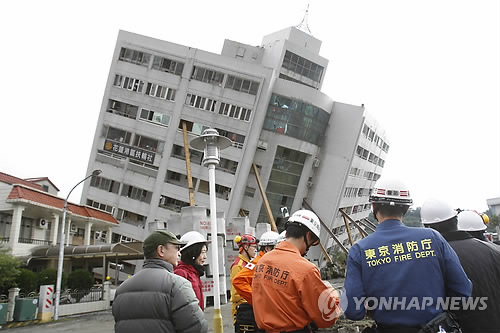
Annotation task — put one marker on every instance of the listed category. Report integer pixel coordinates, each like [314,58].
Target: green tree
[27,281]
[9,266]
[49,276]
[80,279]
[411,218]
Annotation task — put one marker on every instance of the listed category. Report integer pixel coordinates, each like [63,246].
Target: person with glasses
[247,250]
[193,256]
[155,299]
[288,294]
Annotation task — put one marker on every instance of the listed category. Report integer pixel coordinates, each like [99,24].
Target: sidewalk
[227,318]
[101,322]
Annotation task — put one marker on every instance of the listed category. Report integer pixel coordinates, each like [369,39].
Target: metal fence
[93,294]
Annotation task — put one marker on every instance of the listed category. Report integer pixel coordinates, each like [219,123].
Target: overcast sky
[428,71]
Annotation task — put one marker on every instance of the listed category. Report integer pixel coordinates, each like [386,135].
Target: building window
[234,111]
[122,109]
[134,57]
[100,206]
[227,165]
[249,192]
[285,176]
[136,193]
[130,217]
[302,66]
[207,75]
[237,139]
[296,119]
[155,117]
[194,155]
[221,192]
[171,203]
[145,143]
[105,184]
[155,90]
[243,85]
[168,65]
[200,102]
[117,134]
[128,83]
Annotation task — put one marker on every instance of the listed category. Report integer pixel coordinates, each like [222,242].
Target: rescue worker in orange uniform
[242,282]
[288,289]
[247,250]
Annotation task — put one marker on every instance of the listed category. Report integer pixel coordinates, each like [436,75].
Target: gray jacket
[157,300]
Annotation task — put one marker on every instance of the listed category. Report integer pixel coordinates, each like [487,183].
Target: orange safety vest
[242,282]
[289,294]
[236,267]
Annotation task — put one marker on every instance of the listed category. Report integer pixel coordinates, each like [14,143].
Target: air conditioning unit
[73,228]
[309,184]
[43,224]
[262,145]
[316,162]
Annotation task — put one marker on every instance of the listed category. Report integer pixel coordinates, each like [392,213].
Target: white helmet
[469,220]
[269,238]
[191,238]
[307,219]
[282,236]
[392,192]
[435,211]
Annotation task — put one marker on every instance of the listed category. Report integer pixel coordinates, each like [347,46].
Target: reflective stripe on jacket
[288,293]
[242,282]
[236,267]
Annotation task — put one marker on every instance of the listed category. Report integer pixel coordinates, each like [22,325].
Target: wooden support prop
[188,165]
[264,198]
[347,228]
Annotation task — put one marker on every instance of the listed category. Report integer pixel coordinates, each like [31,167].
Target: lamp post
[61,246]
[211,143]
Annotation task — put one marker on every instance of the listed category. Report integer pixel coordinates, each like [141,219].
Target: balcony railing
[33,241]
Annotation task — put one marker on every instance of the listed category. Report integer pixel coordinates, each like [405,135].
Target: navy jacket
[402,273]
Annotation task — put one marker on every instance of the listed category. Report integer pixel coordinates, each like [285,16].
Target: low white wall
[71,309]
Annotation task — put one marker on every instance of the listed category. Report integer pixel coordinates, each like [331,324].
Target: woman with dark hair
[190,267]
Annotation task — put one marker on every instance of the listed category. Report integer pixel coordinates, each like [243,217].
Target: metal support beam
[366,225]
[339,243]
[361,231]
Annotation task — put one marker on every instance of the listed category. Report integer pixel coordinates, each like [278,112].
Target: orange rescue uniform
[287,289]
[242,282]
[236,267]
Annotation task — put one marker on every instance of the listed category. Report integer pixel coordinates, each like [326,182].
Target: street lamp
[61,246]
[212,143]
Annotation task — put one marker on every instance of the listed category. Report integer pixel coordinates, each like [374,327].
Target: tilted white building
[267,99]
